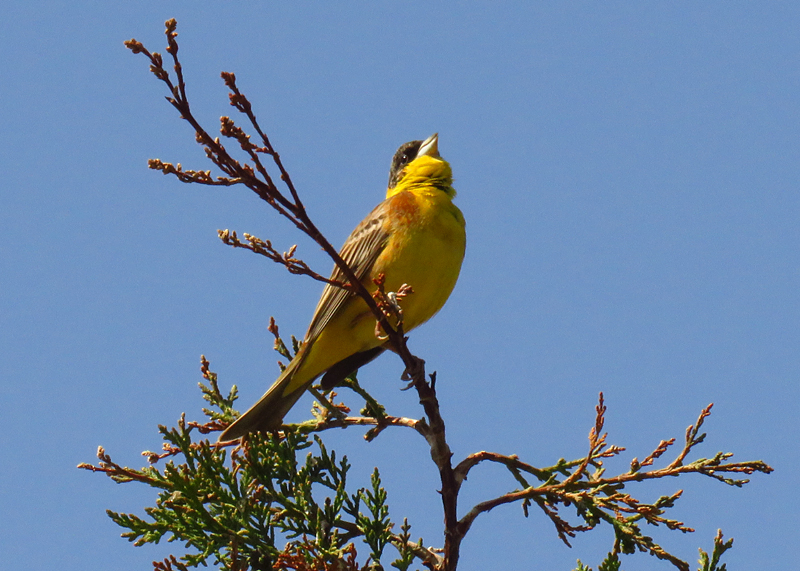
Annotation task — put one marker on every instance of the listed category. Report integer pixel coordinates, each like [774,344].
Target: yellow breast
[427,241]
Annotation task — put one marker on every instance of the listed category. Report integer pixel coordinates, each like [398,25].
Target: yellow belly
[426,253]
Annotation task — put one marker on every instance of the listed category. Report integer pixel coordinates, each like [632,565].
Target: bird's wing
[360,251]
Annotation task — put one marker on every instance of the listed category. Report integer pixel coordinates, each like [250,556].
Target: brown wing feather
[359,251]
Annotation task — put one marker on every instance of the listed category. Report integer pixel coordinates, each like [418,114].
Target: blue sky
[629,176]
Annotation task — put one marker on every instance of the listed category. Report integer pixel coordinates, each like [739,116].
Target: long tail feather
[267,414]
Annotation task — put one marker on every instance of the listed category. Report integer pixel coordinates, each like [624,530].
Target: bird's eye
[404,155]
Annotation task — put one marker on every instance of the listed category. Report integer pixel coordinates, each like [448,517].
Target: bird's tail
[267,414]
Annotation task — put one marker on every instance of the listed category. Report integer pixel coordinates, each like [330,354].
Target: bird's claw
[378,334]
[414,372]
[388,302]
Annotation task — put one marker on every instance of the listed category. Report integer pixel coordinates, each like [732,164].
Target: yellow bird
[416,237]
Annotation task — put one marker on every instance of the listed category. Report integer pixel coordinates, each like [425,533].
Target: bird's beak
[430,146]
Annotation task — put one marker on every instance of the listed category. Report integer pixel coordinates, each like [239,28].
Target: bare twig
[287,259]
[513,464]
[238,173]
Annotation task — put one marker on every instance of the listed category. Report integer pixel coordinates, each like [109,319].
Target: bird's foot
[414,373]
[388,303]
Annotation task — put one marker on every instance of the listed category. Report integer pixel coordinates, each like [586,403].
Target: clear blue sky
[629,177]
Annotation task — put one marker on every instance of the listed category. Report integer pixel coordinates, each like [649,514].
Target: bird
[415,237]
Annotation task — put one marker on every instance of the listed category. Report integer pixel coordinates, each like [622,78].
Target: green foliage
[231,505]
[610,563]
[712,563]
[405,547]
[720,547]
[375,526]
[280,500]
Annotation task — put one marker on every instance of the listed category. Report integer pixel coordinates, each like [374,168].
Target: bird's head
[419,162]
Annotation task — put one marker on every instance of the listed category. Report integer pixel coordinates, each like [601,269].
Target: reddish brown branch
[511,462]
[693,437]
[286,259]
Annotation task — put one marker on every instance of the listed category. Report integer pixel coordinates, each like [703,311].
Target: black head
[404,155]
